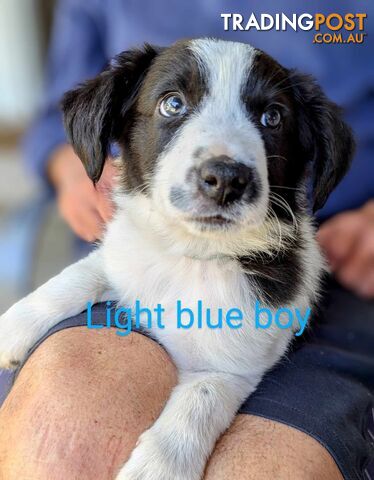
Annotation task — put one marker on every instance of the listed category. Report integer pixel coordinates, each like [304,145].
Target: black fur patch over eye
[119,105]
[313,137]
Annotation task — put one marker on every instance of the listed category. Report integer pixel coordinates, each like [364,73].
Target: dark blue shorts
[325,385]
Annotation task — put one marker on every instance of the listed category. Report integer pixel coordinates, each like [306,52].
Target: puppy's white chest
[140,270]
[194,295]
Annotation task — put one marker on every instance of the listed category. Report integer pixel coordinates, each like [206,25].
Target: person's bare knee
[80,403]
[255,447]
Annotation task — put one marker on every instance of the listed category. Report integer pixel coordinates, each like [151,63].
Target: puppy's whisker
[283,187]
[274,219]
[277,156]
[142,187]
[282,203]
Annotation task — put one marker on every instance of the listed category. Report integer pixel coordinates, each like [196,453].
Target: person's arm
[76,53]
[85,207]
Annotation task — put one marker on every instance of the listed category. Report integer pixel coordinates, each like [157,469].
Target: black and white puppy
[219,144]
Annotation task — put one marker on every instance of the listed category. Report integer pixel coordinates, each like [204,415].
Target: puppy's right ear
[94,111]
[328,141]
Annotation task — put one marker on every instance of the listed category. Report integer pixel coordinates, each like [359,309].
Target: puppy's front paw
[148,461]
[14,343]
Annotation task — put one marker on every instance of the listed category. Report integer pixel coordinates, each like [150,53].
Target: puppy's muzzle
[226,181]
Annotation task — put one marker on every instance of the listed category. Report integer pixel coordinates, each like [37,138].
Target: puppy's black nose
[224,180]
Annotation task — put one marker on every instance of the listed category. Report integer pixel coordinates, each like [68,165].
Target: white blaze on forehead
[219,125]
[222,120]
[226,65]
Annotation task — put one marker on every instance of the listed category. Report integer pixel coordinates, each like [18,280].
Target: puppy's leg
[65,295]
[178,445]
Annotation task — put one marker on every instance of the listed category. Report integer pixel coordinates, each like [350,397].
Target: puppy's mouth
[213,221]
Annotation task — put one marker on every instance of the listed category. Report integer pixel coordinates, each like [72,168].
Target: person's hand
[348,242]
[85,208]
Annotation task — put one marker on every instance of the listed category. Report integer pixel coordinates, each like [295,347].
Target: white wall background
[20,61]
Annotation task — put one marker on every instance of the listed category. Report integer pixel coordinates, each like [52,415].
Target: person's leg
[324,387]
[79,405]
[82,400]
[257,448]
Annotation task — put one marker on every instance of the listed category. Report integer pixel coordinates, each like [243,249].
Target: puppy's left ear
[328,139]
[94,112]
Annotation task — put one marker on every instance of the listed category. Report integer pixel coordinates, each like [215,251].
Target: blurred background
[34,241]
[28,255]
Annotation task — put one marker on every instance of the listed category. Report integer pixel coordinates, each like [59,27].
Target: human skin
[348,241]
[83,398]
[85,208]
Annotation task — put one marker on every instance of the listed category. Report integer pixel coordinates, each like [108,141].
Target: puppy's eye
[172,105]
[271,117]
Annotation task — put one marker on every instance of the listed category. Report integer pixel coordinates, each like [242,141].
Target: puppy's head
[215,135]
